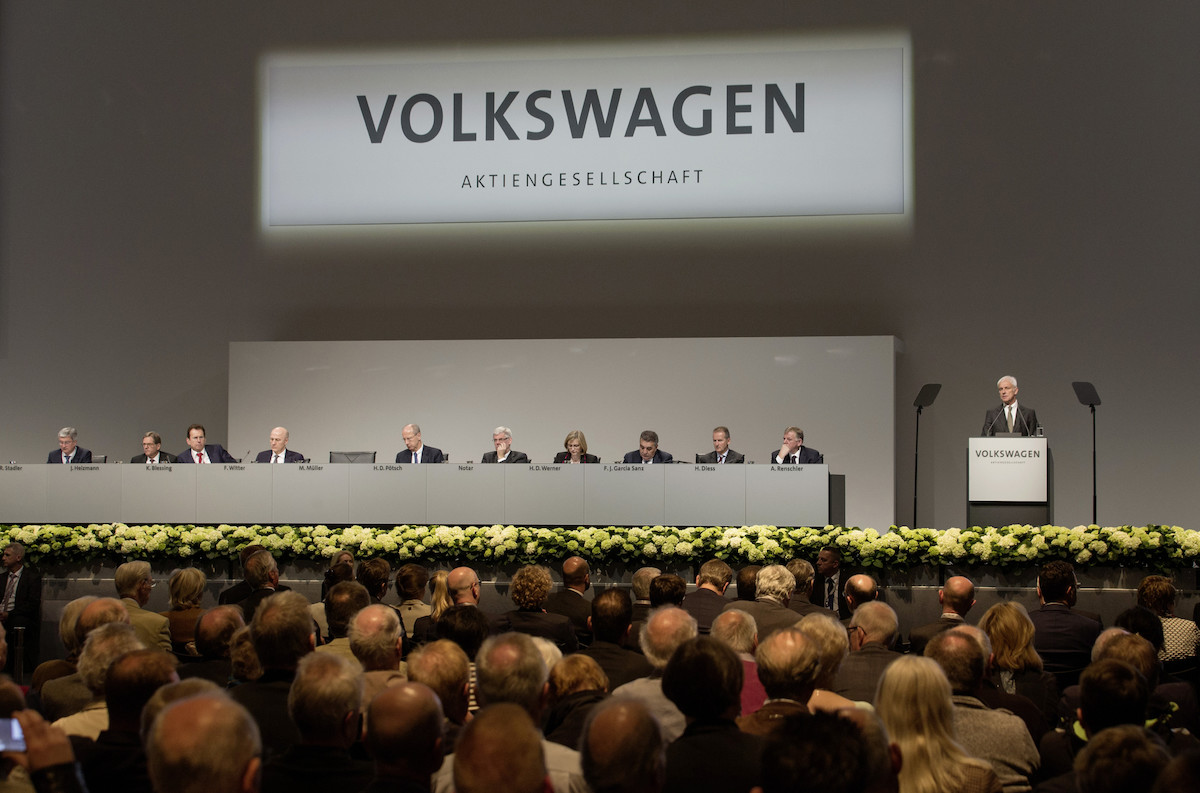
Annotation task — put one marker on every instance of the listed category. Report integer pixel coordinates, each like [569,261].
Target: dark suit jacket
[921,635]
[730,458]
[82,455]
[858,676]
[266,699]
[289,456]
[428,455]
[572,605]
[1064,639]
[216,454]
[808,456]
[818,592]
[659,457]
[713,755]
[26,613]
[1025,421]
[768,615]
[513,457]
[705,605]
[163,457]
[554,627]
[620,664]
[565,457]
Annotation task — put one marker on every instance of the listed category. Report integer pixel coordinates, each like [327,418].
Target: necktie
[1008,412]
[9,590]
[199,457]
[830,600]
[66,459]
[721,459]
[416,458]
[276,459]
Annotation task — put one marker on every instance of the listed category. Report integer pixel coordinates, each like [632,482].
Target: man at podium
[1010,418]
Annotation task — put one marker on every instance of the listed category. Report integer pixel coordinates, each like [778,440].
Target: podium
[1008,481]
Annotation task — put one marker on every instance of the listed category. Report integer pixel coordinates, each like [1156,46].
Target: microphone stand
[924,399]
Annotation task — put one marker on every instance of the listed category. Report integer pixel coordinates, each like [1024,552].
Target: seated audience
[577,684]
[411,580]
[1063,636]
[621,749]
[709,598]
[915,706]
[737,630]
[610,624]
[801,601]
[204,744]
[339,573]
[860,589]
[530,588]
[773,587]
[404,737]
[873,628]
[500,750]
[829,637]
[343,602]
[339,557]
[445,669]
[667,629]
[376,640]
[214,635]
[667,589]
[187,590]
[822,752]
[1180,636]
[570,600]
[745,582]
[243,589]
[262,574]
[788,664]
[134,585]
[1120,759]
[61,667]
[69,694]
[103,646]
[1016,666]
[956,597]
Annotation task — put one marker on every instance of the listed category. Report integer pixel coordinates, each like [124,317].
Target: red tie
[199,457]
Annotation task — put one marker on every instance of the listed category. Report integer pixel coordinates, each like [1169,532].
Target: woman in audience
[1143,622]
[1180,636]
[187,590]
[342,571]
[914,702]
[339,556]
[577,684]
[1017,668]
[439,594]
[410,585]
[530,588]
[576,450]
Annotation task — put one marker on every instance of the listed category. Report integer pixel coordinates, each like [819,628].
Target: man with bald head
[404,737]
[621,749]
[860,589]
[376,638]
[465,590]
[204,744]
[667,629]
[500,749]
[957,596]
[570,600]
[872,633]
[279,452]
[788,664]
[415,451]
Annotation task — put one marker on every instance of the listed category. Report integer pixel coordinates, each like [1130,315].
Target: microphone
[988,429]
[1028,430]
[250,457]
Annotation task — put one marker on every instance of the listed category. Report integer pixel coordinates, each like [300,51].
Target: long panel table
[538,495]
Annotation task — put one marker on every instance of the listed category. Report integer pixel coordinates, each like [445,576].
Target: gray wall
[1053,233]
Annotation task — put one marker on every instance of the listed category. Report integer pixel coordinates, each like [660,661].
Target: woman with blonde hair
[187,590]
[1017,667]
[439,594]
[576,449]
[913,700]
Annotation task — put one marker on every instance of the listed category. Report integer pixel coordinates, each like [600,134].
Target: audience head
[343,602]
[1135,651]
[666,629]
[463,584]
[133,580]
[1011,633]
[803,572]
[876,622]
[405,731]
[444,667]
[244,665]
[500,749]
[342,571]
[576,673]
[439,594]
[612,614]
[745,582]
[187,588]
[282,630]
[716,574]
[576,574]
[466,626]
[204,744]
[860,589]
[1106,636]
[261,570]
[704,680]
[325,700]
[788,665]
[957,595]
[374,574]
[103,646]
[641,582]
[248,551]
[1056,583]
[101,611]
[1120,759]
[831,642]
[131,680]
[737,629]
[829,561]
[376,638]
[774,582]
[1144,623]
[340,556]
[530,587]
[961,659]
[621,748]
[173,692]
[215,629]
[69,619]
[411,580]
[510,669]
[821,752]
[1111,693]
[667,589]
[1182,774]
[1157,593]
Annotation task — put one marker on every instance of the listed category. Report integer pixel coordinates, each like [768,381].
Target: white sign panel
[1006,469]
[736,129]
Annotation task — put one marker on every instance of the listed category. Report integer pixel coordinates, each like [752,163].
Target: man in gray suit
[773,591]
[134,583]
[504,453]
[721,452]
[872,633]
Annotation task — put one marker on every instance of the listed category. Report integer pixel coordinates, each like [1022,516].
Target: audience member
[612,615]
[340,557]
[828,585]
[570,601]
[667,589]
[774,586]
[709,598]
[172,692]
[187,590]
[103,646]
[1182,774]
[956,597]
[821,752]
[788,664]
[343,602]
[500,750]
[872,632]
[214,634]
[376,639]
[69,694]
[745,582]
[262,574]
[860,589]
[577,684]
[1016,666]
[243,589]
[1120,759]
[1062,636]
[667,629]
[1143,622]
[530,588]
[736,629]
[704,680]
[801,601]
[61,667]
[621,749]
[833,646]
[641,591]
[22,604]
[342,572]
[134,585]
[915,706]
[1180,636]
[994,697]
[445,669]
[204,744]
[411,580]
[404,737]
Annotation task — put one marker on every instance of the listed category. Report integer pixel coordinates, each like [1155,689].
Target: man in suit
[570,601]
[417,452]
[199,452]
[22,605]
[872,633]
[611,618]
[709,598]
[190,735]
[1062,636]
[773,587]
[721,452]
[794,452]
[1009,417]
[152,453]
[801,601]
[957,596]
[134,584]
[68,450]
[279,452]
[828,586]
[648,451]
[502,440]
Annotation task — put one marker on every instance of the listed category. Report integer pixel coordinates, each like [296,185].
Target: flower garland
[1142,546]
